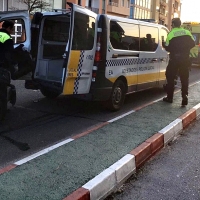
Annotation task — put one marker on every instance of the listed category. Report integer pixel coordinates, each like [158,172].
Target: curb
[114,176]
[111,178]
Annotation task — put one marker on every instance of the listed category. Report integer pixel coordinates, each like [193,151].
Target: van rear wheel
[49,94]
[117,96]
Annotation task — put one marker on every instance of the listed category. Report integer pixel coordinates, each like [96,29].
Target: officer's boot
[184,100]
[168,99]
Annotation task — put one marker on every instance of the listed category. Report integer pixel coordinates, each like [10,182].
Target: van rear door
[65,51]
[80,51]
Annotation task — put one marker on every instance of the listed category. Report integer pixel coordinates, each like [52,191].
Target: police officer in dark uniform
[6,51]
[179,42]
[6,46]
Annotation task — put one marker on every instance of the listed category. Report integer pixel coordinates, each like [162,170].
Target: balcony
[113,3]
[95,10]
[115,8]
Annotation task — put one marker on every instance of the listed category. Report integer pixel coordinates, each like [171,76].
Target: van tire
[49,94]
[117,96]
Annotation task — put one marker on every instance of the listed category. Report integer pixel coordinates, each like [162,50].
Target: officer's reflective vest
[176,32]
[115,35]
[4,37]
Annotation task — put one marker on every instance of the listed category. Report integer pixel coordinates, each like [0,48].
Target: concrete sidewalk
[94,163]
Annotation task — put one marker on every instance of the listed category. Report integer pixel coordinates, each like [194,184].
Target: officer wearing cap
[179,42]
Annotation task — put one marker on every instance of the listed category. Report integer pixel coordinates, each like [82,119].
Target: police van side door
[80,51]
[21,32]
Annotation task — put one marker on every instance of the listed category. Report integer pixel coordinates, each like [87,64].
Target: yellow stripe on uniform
[72,71]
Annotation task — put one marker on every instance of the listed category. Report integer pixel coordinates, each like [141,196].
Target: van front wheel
[49,94]
[117,96]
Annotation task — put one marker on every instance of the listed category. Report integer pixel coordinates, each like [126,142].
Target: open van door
[80,51]
[66,49]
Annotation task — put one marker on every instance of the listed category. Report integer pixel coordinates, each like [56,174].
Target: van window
[124,36]
[84,32]
[56,30]
[163,34]
[55,34]
[148,38]
[19,32]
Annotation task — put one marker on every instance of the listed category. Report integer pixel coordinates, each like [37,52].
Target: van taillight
[97,56]
[98,48]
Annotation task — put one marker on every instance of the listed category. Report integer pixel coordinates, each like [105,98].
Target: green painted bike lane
[58,173]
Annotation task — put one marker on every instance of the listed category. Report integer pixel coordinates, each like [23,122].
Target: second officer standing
[179,42]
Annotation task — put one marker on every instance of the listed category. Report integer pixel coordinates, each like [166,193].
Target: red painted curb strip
[188,117]
[8,168]
[79,194]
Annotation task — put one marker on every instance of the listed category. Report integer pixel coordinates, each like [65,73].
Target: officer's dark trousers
[3,96]
[177,66]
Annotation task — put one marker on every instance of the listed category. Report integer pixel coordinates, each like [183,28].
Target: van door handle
[162,59]
[64,55]
[154,60]
[125,55]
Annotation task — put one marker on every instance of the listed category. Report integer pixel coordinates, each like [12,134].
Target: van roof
[111,17]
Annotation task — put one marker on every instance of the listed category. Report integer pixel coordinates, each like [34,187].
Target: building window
[90,3]
[79,2]
[131,12]
[128,4]
[123,3]
[103,4]
[132,1]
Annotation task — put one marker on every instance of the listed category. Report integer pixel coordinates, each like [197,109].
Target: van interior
[53,38]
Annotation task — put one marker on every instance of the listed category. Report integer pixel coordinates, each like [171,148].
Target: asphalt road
[173,174]
[36,122]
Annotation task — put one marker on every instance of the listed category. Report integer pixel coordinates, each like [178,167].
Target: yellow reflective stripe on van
[72,71]
[131,80]
[141,78]
[145,78]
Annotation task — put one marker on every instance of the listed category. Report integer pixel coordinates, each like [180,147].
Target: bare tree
[34,5]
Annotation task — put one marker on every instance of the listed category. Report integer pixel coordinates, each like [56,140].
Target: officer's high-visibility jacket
[6,48]
[179,41]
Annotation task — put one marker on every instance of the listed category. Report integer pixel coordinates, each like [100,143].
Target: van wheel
[117,96]
[49,94]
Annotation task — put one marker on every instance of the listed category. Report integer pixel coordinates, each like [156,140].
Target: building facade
[140,9]
[162,11]
[18,5]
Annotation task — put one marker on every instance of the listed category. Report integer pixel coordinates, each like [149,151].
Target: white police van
[95,57]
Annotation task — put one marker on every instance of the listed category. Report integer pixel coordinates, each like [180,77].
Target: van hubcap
[117,95]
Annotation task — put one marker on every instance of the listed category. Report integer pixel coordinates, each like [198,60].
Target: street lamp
[5,3]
